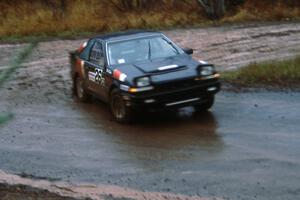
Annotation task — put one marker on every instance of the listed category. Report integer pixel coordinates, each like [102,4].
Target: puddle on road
[162,135]
[179,152]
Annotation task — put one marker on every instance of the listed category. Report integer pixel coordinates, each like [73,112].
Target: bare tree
[58,7]
[130,5]
[215,9]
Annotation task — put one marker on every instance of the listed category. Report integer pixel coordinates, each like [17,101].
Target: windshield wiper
[149,50]
[172,45]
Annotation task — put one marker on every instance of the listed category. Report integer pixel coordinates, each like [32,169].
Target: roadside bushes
[53,17]
[267,10]
[74,17]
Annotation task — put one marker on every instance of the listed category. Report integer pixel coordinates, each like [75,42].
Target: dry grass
[35,18]
[283,74]
[274,11]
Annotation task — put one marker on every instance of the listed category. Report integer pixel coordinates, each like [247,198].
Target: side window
[85,54]
[96,55]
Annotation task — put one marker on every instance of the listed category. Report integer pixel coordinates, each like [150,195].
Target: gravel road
[247,147]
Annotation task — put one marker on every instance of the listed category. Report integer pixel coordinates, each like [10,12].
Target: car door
[95,69]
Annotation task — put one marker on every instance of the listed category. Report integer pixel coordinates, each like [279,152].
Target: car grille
[175,85]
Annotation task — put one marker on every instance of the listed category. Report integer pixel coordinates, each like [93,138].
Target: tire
[118,108]
[80,90]
[206,105]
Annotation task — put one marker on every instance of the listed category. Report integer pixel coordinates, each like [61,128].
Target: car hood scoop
[162,65]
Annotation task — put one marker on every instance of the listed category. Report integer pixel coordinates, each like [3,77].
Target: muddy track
[51,132]
[228,47]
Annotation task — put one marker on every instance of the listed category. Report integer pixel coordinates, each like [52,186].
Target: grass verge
[14,65]
[275,74]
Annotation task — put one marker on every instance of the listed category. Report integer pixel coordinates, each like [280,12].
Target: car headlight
[143,81]
[207,70]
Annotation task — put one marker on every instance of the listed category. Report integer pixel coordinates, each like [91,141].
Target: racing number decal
[97,76]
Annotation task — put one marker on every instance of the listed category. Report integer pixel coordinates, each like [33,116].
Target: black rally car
[141,70]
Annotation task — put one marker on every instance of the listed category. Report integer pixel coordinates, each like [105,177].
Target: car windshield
[140,50]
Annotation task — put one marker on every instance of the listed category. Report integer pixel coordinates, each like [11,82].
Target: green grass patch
[282,74]
[14,65]
[4,117]
[45,37]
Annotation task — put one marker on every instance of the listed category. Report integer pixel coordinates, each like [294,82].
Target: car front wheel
[206,105]
[119,110]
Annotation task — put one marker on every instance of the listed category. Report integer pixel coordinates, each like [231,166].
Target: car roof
[110,37]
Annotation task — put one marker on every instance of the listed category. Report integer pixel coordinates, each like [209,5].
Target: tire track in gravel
[235,46]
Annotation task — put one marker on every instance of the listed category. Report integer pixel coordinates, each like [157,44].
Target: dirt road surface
[247,147]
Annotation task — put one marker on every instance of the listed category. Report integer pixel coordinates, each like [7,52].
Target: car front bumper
[172,97]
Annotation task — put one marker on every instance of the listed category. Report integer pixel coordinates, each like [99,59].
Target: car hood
[163,64]
[161,70]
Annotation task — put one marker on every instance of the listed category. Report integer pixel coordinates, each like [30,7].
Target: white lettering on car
[97,76]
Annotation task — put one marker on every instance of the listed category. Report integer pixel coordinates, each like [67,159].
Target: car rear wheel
[120,111]
[81,93]
[206,105]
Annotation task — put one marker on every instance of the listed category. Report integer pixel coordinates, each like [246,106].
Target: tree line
[214,9]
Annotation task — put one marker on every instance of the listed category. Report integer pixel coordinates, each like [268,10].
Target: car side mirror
[188,51]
